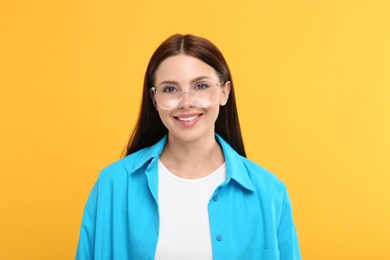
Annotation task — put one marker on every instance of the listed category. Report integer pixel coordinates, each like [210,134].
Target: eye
[169,89]
[201,85]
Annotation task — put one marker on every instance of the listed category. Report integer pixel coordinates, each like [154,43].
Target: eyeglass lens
[202,94]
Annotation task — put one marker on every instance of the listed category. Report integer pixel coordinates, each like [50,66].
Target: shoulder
[121,168]
[250,174]
[264,181]
[260,174]
[133,162]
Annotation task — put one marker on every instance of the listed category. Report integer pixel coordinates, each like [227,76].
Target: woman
[185,189]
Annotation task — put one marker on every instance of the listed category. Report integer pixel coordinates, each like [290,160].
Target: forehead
[183,68]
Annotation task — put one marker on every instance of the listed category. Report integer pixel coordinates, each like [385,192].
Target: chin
[191,136]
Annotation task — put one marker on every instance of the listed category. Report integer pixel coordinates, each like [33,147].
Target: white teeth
[187,118]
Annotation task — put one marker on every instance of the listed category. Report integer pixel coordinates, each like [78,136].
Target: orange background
[313,89]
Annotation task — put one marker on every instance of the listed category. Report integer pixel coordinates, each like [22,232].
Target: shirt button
[215,198]
[219,237]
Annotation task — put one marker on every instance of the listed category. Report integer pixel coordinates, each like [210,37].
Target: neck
[194,159]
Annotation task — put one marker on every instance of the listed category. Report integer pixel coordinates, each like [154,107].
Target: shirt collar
[150,153]
[235,166]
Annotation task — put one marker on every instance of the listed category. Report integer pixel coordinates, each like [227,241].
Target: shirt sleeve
[86,244]
[287,234]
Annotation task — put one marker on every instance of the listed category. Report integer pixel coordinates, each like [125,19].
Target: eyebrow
[192,81]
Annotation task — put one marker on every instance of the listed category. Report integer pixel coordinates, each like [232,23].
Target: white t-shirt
[184,219]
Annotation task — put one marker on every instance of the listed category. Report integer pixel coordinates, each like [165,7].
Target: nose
[186,100]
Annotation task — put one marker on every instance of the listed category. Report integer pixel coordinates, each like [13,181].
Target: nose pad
[186,100]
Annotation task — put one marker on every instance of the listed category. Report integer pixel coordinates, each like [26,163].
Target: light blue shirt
[250,213]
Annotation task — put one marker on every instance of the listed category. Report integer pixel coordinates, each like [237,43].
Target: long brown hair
[150,129]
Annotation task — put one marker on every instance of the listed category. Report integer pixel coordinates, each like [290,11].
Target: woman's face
[189,121]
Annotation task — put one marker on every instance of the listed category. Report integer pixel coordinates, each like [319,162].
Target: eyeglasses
[202,94]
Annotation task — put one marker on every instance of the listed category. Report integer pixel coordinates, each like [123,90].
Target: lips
[188,120]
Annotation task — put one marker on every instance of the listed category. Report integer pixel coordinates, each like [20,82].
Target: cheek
[163,116]
[214,111]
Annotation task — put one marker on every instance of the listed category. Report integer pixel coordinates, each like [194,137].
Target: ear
[225,91]
[153,98]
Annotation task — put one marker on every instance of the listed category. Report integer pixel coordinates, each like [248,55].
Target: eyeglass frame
[154,89]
